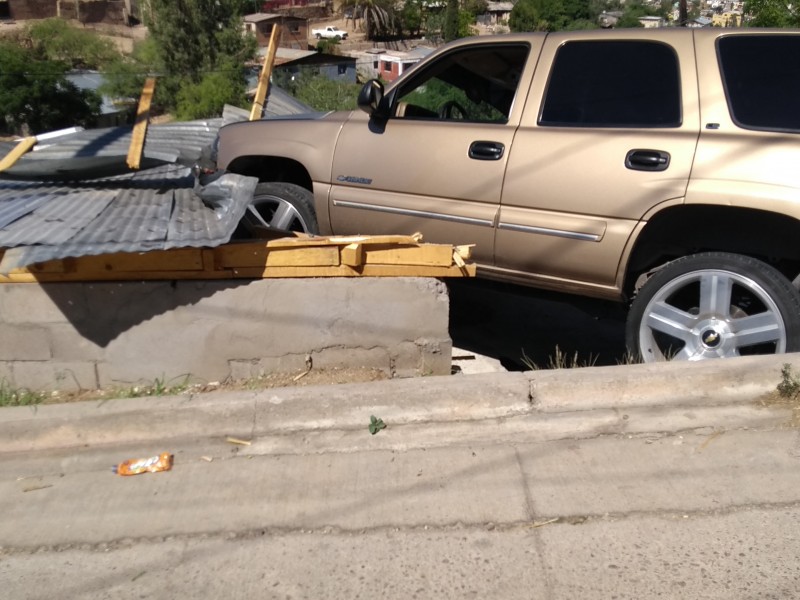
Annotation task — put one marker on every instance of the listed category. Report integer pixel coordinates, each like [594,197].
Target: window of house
[294,28]
[375,64]
[341,69]
[476,84]
[622,83]
[387,66]
[761,74]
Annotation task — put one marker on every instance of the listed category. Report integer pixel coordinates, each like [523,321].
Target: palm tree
[379,17]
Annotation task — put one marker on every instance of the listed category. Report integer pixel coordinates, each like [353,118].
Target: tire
[714,305]
[279,206]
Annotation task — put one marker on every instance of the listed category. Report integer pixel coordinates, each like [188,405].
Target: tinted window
[762,80]
[613,84]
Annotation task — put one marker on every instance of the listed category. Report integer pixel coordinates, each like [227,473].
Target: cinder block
[55,375]
[412,359]
[24,342]
[68,344]
[7,373]
[28,303]
[137,332]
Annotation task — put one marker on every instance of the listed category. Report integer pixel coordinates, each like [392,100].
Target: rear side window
[761,74]
[613,84]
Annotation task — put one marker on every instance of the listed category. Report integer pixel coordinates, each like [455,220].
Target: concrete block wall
[32,9]
[73,336]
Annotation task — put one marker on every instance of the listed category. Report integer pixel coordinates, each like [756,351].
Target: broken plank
[352,255]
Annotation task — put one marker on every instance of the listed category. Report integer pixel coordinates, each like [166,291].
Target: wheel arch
[273,168]
[681,230]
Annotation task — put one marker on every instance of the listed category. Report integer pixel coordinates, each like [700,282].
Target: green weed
[11,396]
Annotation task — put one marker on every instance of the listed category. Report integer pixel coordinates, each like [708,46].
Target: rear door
[608,133]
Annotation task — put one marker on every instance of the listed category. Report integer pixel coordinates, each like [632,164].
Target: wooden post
[140,127]
[263,80]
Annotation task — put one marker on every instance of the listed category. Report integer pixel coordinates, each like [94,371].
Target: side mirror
[370,99]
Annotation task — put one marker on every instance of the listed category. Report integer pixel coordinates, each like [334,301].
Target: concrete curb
[436,400]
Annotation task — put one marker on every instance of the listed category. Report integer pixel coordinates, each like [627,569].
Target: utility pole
[683,13]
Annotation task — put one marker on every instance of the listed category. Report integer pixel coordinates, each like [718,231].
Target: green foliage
[375,424]
[411,17]
[35,95]
[11,396]
[789,386]
[124,77]
[55,39]
[450,31]
[191,41]
[553,15]
[636,9]
[772,13]
[209,96]
[324,94]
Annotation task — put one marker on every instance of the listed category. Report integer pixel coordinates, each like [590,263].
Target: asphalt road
[510,323]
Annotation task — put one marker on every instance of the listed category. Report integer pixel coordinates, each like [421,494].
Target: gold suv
[656,167]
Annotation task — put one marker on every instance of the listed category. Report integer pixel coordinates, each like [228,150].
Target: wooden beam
[263,79]
[301,256]
[17,152]
[140,127]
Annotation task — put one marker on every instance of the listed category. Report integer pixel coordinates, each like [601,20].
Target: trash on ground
[233,440]
[152,464]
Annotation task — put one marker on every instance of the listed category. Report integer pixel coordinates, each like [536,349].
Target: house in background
[389,64]
[292,31]
[497,13]
[332,66]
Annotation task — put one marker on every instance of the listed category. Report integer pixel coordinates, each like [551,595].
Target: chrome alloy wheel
[711,313]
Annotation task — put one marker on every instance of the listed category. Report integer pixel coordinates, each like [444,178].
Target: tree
[194,46]
[450,32]
[772,13]
[55,39]
[380,18]
[35,95]
[553,15]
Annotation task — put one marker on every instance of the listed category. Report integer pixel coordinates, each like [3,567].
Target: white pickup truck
[331,32]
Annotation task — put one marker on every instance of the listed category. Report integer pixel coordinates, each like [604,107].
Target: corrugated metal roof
[155,209]
[75,196]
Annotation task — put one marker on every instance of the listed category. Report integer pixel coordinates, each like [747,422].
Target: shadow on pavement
[509,322]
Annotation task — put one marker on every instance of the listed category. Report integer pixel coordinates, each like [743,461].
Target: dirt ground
[178,387]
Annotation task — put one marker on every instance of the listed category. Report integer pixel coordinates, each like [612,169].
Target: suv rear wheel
[281,206]
[714,305]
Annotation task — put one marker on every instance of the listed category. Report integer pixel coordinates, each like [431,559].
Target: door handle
[647,160]
[486,150]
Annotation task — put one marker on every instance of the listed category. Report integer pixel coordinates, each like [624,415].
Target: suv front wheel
[714,305]
[281,206]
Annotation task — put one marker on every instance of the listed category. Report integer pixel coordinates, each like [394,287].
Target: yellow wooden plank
[17,152]
[353,255]
[250,255]
[178,259]
[263,79]
[140,127]
[441,256]
[417,271]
